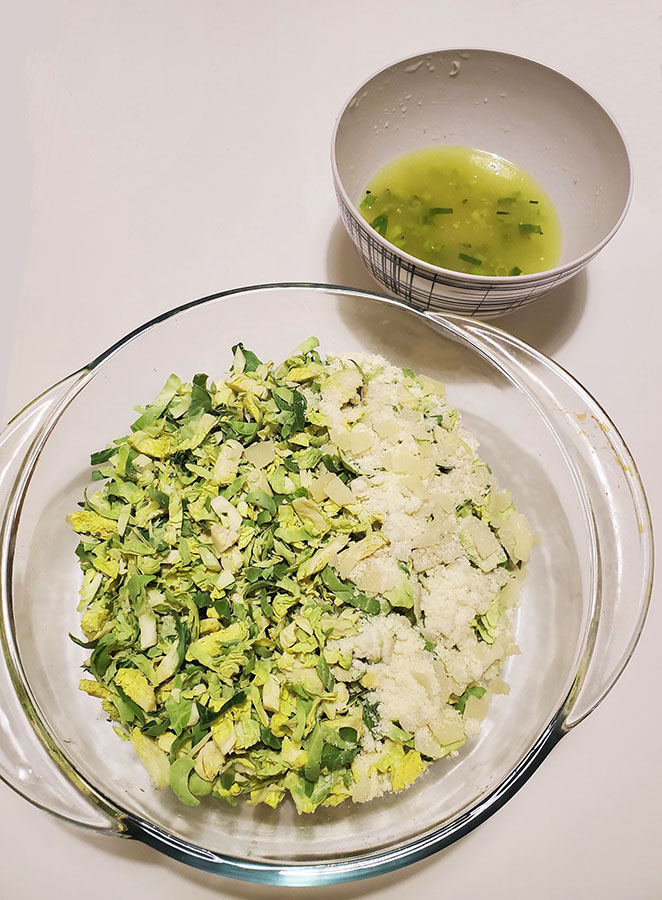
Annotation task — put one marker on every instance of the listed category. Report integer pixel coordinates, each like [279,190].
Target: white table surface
[160,151]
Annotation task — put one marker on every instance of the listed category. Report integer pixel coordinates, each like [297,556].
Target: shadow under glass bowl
[503,104]
[581,613]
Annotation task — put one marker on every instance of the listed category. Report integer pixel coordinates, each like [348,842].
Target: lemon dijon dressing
[466,210]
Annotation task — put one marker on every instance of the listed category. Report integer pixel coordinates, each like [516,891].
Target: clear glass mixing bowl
[582,610]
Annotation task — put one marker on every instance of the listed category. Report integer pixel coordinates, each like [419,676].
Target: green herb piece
[333,758]
[314,761]
[325,673]
[156,409]
[223,608]
[370,715]
[369,605]
[179,712]
[227,779]
[269,738]
[200,398]
[360,370]
[465,509]
[243,429]
[263,500]
[470,259]
[251,361]
[180,772]
[475,691]
[86,645]
[129,708]
[298,410]
[428,217]
[235,700]
[380,224]
[102,456]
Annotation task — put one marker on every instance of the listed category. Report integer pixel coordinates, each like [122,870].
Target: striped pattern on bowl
[438,290]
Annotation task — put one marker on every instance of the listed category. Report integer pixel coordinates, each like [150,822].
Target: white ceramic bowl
[504,104]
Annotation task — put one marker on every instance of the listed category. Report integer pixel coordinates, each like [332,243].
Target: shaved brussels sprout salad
[297,580]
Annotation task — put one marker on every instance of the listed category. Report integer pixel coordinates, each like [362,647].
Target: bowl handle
[616,508]
[30,763]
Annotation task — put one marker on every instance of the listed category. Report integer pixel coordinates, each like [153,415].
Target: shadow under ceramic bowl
[504,104]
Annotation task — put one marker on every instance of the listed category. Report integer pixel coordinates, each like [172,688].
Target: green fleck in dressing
[465,210]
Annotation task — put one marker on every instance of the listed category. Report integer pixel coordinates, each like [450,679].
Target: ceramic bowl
[504,104]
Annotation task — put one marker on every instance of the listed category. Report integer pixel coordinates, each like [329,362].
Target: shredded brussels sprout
[235,576]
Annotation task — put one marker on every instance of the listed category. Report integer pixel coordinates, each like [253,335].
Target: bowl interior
[519,445]
[516,108]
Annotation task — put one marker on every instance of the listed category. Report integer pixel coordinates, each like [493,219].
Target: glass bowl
[581,613]
[504,104]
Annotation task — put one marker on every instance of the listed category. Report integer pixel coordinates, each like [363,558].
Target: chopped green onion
[528,228]
[470,259]
[251,360]
[102,456]
[380,224]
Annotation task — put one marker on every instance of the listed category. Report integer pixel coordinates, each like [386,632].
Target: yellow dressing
[465,210]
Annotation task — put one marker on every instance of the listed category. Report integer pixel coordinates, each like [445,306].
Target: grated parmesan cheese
[451,556]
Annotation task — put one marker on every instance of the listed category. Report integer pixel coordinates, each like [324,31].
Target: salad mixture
[298,580]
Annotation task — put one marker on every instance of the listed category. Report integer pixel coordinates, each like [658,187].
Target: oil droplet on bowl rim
[414,67]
